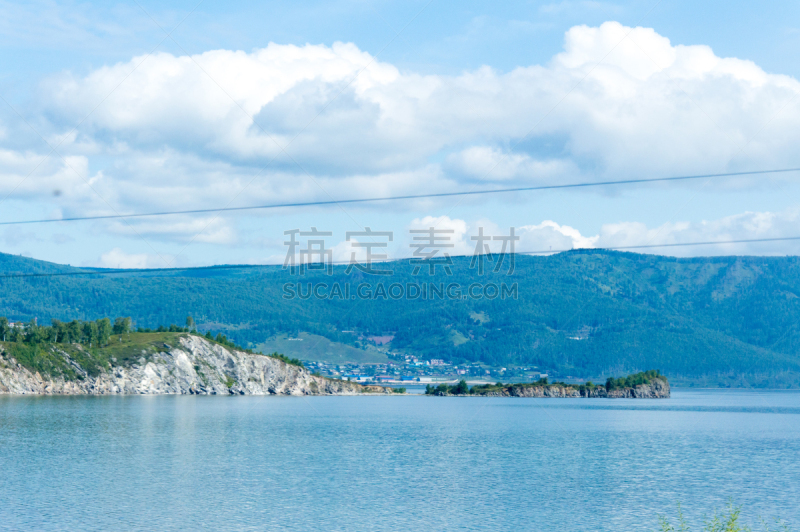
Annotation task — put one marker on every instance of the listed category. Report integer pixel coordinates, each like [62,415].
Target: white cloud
[638,103]
[744,226]
[208,229]
[30,175]
[117,258]
[486,163]
[617,102]
[437,234]
[550,235]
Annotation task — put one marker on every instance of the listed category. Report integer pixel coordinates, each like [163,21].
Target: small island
[644,385]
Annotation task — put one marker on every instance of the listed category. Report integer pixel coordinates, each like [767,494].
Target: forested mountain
[585,312]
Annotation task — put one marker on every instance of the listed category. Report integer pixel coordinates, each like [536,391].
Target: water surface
[393,463]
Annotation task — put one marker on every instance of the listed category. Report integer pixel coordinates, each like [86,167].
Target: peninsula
[644,385]
[88,359]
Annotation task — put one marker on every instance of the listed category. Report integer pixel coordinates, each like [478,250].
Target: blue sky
[259,102]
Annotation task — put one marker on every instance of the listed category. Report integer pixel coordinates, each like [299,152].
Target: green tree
[122,325]
[103,331]
[5,329]
[33,333]
[90,333]
[461,388]
[190,322]
[57,331]
[74,330]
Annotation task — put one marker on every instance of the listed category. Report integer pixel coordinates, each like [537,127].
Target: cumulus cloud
[208,229]
[31,175]
[435,236]
[289,123]
[550,235]
[647,105]
[743,226]
[463,237]
[638,237]
[486,163]
[117,258]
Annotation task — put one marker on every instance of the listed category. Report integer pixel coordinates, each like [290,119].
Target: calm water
[392,463]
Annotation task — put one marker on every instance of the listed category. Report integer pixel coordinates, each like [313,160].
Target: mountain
[584,312]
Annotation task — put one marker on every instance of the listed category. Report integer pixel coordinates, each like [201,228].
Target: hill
[156,363]
[586,312]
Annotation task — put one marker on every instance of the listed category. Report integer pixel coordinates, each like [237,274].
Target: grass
[457,338]
[39,359]
[315,348]
[729,520]
[124,350]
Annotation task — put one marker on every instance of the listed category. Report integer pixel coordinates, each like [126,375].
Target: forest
[585,312]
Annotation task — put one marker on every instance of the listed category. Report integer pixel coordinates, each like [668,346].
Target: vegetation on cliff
[631,381]
[461,388]
[95,346]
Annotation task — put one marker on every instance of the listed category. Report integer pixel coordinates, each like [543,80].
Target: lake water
[393,463]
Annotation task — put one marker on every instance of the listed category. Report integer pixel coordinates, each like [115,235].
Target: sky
[120,108]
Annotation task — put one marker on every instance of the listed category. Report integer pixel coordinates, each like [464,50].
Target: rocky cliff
[657,389]
[196,366]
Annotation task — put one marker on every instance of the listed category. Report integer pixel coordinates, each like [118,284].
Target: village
[410,369]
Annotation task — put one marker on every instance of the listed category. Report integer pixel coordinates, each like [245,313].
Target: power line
[255,266]
[406,197]
[671,245]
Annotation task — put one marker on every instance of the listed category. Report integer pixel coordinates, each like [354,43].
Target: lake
[394,463]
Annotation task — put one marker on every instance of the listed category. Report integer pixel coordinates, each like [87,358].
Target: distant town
[409,369]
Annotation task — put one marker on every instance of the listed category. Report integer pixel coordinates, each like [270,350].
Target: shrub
[284,358]
[631,381]
[727,521]
[443,389]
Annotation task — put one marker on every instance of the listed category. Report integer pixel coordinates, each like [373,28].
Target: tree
[90,333]
[461,388]
[122,325]
[75,331]
[103,331]
[190,322]
[34,333]
[4,328]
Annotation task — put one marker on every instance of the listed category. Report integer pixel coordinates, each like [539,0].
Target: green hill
[584,312]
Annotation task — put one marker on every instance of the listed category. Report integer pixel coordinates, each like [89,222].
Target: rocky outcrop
[657,389]
[197,366]
[543,391]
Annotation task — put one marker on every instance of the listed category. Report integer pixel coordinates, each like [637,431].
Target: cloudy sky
[157,106]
